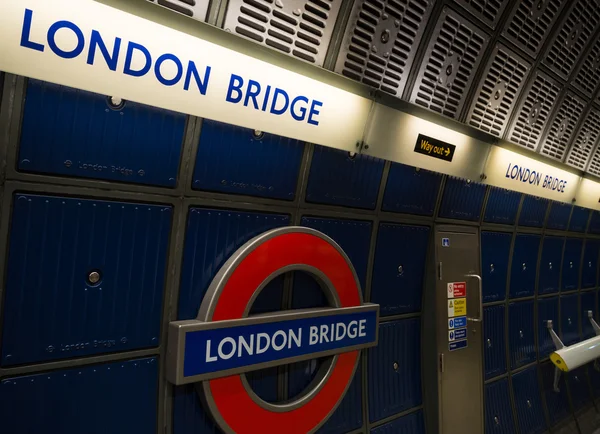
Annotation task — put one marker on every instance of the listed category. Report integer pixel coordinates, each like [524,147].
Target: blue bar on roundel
[220,349]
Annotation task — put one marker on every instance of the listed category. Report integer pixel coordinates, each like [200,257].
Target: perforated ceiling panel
[534,109]
[587,76]
[571,37]
[301,28]
[488,11]
[501,83]
[451,60]
[530,22]
[562,126]
[380,42]
[586,139]
[594,167]
[196,9]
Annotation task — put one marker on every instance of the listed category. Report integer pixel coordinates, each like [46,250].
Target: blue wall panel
[189,416]
[587,301]
[115,398]
[552,251]
[392,391]
[354,237]
[557,403]
[502,206]
[594,380]
[399,268]
[547,311]
[72,132]
[569,319]
[559,216]
[524,264]
[533,211]
[528,403]
[348,416]
[521,340]
[498,412]
[51,310]
[577,383]
[495,250]
[337,179]
[264,383]
[462,200]
[231,159]
[411,190]
[494,341]
[410,424]
[571,263]
[212,235]
[594,223]
[589,270]
[579,219]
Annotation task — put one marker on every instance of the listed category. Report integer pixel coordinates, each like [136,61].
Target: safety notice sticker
[457,307]
[455,335]
[458,322]
[457,345]
[457,289]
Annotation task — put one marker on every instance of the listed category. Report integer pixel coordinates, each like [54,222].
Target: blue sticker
[445,242]
[458,322]
[460,333]
[458,345]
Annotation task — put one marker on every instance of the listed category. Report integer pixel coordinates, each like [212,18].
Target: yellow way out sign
[457,307]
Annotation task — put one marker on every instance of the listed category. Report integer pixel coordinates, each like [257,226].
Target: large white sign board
[91,46]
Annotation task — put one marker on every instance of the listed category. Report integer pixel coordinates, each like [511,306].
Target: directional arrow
[447,152]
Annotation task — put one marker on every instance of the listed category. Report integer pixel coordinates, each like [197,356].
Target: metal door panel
[212,235]
[557,403]
[338,178]
[189,416]
[520,333]
[577,382]
[552,250]
[498,414]
[587,302]
[502,206]
[116,398]
[547,311]
[571,262]
[569,319]
[524,265]
[462,199]
[459,379]
[595,223]
[589,270]
[526,391]
[495,251]
[354,237]
[238,160]
[494,341]
[52,310]
[579,219]
[72,132]
[533,211]
[394,369]
[559,216]
[399,268]
[410,424]
[411,190]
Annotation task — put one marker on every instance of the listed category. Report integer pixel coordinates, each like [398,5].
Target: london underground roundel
[224,342]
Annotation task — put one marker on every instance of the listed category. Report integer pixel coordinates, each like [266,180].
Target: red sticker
[457,289]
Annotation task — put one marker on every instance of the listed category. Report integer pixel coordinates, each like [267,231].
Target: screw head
[94,277]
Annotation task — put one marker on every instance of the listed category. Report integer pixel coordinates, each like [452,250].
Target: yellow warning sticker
[457,307]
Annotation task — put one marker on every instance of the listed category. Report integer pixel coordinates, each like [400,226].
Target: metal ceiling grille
[586,139]
[301,28]
[562,127]
[503,78]
[195,9]
[381,40]
[571,37]
[451,60]
[587,77]
[488,11]
[594,167]
[530,22]
[534,109]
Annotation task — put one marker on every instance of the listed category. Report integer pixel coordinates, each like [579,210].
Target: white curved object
[574,356]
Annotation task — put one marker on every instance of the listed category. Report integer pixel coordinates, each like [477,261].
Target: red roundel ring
[230,295]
